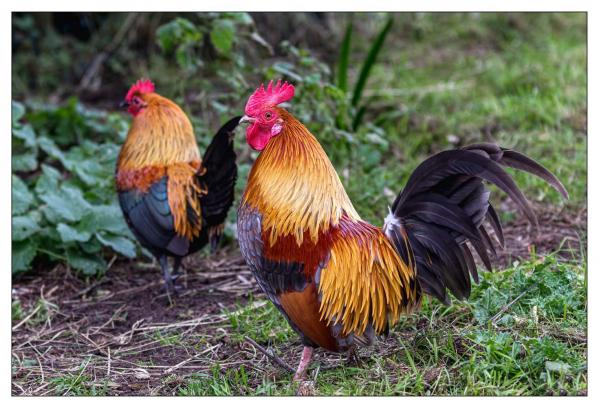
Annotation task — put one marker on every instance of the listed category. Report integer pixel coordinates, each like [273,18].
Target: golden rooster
[172,200]
[338,280]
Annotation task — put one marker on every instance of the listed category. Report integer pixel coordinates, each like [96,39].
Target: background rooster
[337,279]
[172,200]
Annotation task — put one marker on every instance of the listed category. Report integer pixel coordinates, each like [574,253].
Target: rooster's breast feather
[287,281]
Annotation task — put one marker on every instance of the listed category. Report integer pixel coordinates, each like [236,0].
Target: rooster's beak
[246,119]
[124,105]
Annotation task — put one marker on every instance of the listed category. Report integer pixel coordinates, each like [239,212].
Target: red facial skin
[134,100]
[267,125]
[136,105]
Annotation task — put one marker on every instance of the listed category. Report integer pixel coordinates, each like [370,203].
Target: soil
[125,325]
[559,231]
[123,334]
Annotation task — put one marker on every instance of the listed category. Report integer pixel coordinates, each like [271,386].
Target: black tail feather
[442,210]
[493,219]
[519,161]
[218,174]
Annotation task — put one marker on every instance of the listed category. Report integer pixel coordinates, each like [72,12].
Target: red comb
[142,86]
[271,96]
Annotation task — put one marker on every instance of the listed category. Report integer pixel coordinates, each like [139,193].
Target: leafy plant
[181,36]
[63,202]
[191,41]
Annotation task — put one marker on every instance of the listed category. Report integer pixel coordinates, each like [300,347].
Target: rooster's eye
[268,116]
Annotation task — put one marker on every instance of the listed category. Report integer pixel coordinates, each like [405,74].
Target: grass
[521,332]
[483,346]
[262,322]
[77,383]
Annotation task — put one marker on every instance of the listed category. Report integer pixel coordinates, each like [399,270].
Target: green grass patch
[260,321]
[522,332]
[77,384]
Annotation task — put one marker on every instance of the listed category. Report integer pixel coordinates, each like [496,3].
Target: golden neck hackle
[295,187]
[161,135]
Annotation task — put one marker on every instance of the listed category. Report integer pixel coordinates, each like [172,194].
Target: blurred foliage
[427,82]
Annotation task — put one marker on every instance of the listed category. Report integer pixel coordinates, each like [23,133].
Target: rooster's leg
[166,273]
[176,266]
[300,374]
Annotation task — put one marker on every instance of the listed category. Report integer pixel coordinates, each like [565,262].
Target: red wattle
[257,138]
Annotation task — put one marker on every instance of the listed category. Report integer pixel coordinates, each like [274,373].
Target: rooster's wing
[149,216]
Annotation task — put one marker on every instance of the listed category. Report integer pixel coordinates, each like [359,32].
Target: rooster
[338,280]
[174,202]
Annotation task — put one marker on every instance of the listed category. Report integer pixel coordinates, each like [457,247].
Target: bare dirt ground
[122,333]
[124,325]
[560,231]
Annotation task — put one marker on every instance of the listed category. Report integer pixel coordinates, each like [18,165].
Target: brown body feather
[302,308]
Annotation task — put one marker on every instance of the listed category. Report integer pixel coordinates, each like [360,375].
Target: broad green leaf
[110,218]
[93,173]
[48,232]
[88,264]
[22,198]
[93,246]
[177,31]
[222,35]
[166,37]
[18,110]
[85,163]
[66,204]
[48,180]
[25,133]
[23,253]
[24,162]
[51,148]
[183,57]
[241,18]
[119,244]
[72,233]
[23,227]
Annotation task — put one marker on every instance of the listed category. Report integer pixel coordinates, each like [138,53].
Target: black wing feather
[149,216]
